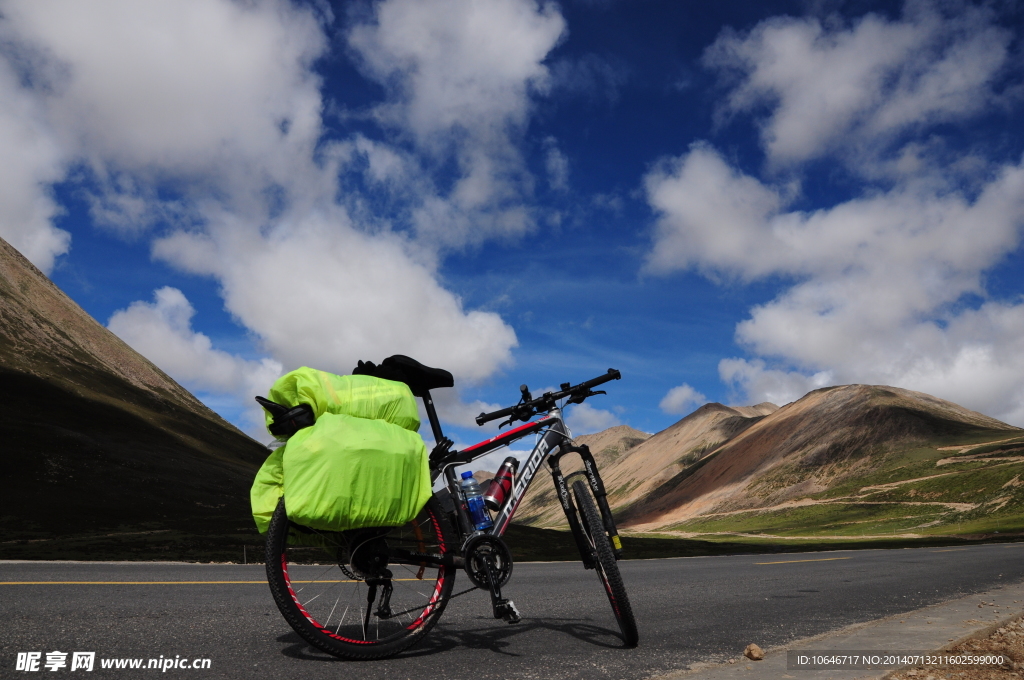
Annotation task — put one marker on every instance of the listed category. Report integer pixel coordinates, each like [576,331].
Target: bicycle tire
[605,565]
[299,577]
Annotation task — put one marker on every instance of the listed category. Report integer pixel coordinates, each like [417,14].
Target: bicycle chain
[446,600]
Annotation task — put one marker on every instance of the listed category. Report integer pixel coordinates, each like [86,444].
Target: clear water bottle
[478,514]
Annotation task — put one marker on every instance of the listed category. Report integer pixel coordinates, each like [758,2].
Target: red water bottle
[500,488]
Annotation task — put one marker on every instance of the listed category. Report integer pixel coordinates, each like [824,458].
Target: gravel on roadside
[1007,641]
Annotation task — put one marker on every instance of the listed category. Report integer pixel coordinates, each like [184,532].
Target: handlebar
[527,408]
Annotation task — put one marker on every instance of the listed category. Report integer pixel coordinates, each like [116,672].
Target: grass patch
[848,519]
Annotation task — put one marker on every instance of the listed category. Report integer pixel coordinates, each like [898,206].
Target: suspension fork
[569,508]
[596,486]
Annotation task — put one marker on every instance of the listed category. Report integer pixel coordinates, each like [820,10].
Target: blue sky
[731,201]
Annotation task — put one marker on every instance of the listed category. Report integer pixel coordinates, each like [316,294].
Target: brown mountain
[540,506]
[722,460]
[829,437]
[95,437]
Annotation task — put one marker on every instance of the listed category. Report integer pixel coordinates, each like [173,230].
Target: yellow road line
[115,583]
[826,559]
[158,583]
[950,550]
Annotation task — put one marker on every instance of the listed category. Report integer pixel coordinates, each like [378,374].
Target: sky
[731,201]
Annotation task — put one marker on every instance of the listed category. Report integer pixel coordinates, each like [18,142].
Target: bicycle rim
[605,565]
[322,590]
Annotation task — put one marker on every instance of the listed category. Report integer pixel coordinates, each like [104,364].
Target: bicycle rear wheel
[605,565]
[324,591]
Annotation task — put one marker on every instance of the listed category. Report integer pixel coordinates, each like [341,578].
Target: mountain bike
[371,593]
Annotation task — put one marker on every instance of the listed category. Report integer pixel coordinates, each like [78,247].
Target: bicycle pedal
[510,614]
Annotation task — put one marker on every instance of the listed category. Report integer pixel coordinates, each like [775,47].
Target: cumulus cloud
[681,399]
[460,76]
[585,419]
[162,331]
[32,161]
[887,286]
[861,85]
[318,291]
[175,88]
[879,279]
[760,383]
[199,126]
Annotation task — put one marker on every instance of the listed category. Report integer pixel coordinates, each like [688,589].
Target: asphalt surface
[689,610]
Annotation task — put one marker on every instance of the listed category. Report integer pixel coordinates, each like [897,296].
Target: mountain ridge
[96,436]
[724,460]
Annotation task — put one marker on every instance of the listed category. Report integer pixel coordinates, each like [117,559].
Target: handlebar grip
[494,415]
[612,374]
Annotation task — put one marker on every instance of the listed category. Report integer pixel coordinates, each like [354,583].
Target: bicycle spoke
[344,614]
[324,594]
[332,611]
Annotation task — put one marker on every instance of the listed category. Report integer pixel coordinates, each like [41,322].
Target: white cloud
[32,160]
[557,165]
[176,88]
[887,286]
[457,64]
[317,291]
[461,75]
[710,215]
[585,419]
[162,332]
[681,399]
[878,279]
[859,85]
[760,383]
[198,125]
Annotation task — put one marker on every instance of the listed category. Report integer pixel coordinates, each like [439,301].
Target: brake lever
[578,398]
[523,414]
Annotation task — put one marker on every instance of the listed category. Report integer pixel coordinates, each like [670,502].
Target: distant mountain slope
[848,460]
[650,462]
[540,506]
[830,437]
[95,436]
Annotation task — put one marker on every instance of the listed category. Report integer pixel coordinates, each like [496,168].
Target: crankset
[489,566]
[481,549]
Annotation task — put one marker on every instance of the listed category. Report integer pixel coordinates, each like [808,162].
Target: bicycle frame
[554,443]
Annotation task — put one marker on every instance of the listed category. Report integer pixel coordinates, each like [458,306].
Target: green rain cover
[362,396]
[362,464]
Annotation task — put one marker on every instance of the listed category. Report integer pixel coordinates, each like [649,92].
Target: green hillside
[964,486]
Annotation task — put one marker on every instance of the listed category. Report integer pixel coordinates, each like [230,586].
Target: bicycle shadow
[492,638]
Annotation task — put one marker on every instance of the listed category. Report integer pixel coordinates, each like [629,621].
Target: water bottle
[478,514]
[500,488]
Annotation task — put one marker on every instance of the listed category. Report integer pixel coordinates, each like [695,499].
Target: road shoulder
[929,629]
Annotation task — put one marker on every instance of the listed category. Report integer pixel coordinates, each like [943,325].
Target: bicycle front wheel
[342,595]
[605,565]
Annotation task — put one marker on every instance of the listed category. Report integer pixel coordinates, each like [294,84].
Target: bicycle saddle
[401,368]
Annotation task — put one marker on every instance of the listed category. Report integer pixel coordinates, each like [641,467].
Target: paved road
[689,610]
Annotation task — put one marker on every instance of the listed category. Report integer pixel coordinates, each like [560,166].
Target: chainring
[477,549]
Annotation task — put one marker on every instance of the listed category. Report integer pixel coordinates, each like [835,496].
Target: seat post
[435,424]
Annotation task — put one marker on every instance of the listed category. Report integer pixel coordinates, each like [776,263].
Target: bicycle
[340,574]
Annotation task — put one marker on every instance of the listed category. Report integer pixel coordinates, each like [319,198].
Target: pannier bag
[361,464]
[362,396]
